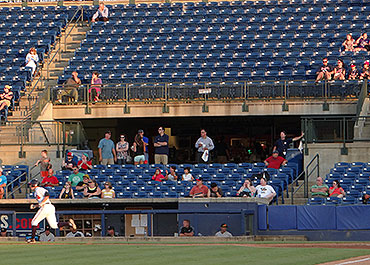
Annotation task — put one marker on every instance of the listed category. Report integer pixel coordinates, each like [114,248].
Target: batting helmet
[33,183]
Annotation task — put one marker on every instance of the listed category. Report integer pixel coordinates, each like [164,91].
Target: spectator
[92,190]
[76,177]
[138,148]
[50,180]
[82,184]
[47,236]
[339,71]
[366,71]
[223,232]
[247,190]
[101,14]
[70,162]
[204,145]
[74,233]
[107,153]
[349,43]
[319,189]
[187,176]
[3,182]
[84,163]
[108,192]
[95,88]
[282,144]
[32,59]
[3,232]
[199,190]
[336,190]
[324,72]
[111,232]
[67,191]
[44,163]
[6,97]
[186,229]
[70,88]
[275,161]
[161,147]
[122,150]
[362,43]
[215,191]
[353,74]
[146,143]
[265,191]
[172,174]
[158,175]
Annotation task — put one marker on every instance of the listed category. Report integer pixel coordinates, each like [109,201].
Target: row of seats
[348,200]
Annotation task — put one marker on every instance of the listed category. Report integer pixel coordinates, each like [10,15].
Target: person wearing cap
[82,184]
[223,231]
[107,151]
[215,191]
[70,88]
[265,191]
[199,190]
[353,74]
[84,163]
[161,147]
[122,150]
[203,144]
[76,177]
[275,161]
[324,72]
[282,144]
[365,71]
[146,143]
[47,236]
[3,182]
[50,180]
[3,232]
[186,229]
[108,192]
[70,162]
[111,231]
[6,98]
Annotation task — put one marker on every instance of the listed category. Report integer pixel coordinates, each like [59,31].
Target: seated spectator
[47,236]
[265,191]
[172,174]
[32,59]
[215,191]
[92,190]
[67,191]
[50,180]
[275,161]
[187,176]
[111,232]
[3,182]
[70,162]
[362,43]
[84,163]
[319,189]
[349,43]
[353,74]
[76,177]
[82,184]
[122,150]
[186,229]
[199,190]
[158,175]
[71,86]
[339,71]
[74,233]
[366,71]
[95,88]
[223,232]
[101,14]
[324,72]
[336,190]
[6,98]
[3,232]
[247,190]
[108,192]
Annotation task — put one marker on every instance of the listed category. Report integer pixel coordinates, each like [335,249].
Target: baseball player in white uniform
[46,210]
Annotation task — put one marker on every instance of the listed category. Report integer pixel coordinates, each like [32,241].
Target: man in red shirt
[199,190]
[275,161]
[50,180]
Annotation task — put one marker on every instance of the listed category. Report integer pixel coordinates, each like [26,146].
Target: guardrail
[15,185]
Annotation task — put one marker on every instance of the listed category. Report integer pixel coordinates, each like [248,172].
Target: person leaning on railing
[70,88]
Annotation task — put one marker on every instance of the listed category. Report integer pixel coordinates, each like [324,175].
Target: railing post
[64,138]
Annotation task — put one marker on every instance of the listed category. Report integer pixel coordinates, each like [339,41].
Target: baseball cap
[47,227]
[200,179]
[69,154]
[3,229]
[110,228]
[353,65]
[275,151]
[366,63]
[224,225]
[8,87]
[86,176]
[140,131]
[85,154]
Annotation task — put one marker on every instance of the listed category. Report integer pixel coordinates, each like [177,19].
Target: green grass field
[109,254]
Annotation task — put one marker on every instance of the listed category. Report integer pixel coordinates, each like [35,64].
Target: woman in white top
[187,176]
[108,192]
[32,59]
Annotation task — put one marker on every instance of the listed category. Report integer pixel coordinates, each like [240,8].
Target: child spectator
[362,43]
[215,191]
[32,59]
[339,71]
[84,163]
[6,98]
[324,72]
[3,182]
[353,74]
[50,180]
[108,192]
[366,71]
[67,192]
[172,174]
[187,176]
[158,175]
[44,162]
[349,43]
[70,162]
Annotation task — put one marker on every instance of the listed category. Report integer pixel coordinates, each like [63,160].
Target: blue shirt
[106,146]
[146,140]
[161,150]
[3,180]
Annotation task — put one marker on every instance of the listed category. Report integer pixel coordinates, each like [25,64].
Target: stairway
[299,198]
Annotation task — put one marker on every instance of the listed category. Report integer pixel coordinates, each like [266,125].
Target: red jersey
[84,166]
[275,162]
[49,179]
[159,177]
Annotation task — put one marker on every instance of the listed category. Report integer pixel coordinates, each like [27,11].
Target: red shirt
[275,162]
[84,166]
[337,191]
[159,177]
[51,179]
[198,192]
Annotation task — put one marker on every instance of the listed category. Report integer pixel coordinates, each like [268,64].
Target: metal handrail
[10,184]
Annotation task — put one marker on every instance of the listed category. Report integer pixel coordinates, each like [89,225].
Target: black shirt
[283,145]
[184,229]
[214,195]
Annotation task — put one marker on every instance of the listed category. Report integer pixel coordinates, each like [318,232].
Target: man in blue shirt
[107,153]
[161,147]
[282,144]
[146,142]
[3,182]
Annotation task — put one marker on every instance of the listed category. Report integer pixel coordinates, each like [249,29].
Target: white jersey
[40,194]
[264,191]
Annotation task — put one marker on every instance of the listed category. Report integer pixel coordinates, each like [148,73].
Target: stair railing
[16,188]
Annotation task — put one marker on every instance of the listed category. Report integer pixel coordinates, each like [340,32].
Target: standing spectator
[324,72]
[161,147]
[215,191]
[187,175]
[275,161]
[32,59]
[3,182]
[67,192]
[247,190]
[76,177]
[158,175]
[84,163]
[6,97]
[70,162]
[122,150]
[82,184]
[336,190]
[349,43]
[362,43]
[199,190]
[138,148]
[353,74]
[50,180]
[101,14]
[92,190]
[283,143]
[223,232]
[146,143]
[366,71]
[44,163]
[107,152]
[70,88]
[95,88]
[47,236]
[172,174]
[204,145]
[108,192]
[265,191]
[186,229]
[339,71]
[319,189]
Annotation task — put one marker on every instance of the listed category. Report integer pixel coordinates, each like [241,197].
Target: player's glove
[33,206]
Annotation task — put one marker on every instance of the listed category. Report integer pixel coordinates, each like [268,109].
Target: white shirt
[264,191]
[186,177]
[77,234]
[47,238]
[226,234]
[32,58]
[40,194]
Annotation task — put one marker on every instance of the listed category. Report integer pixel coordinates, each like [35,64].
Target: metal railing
[15,185]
